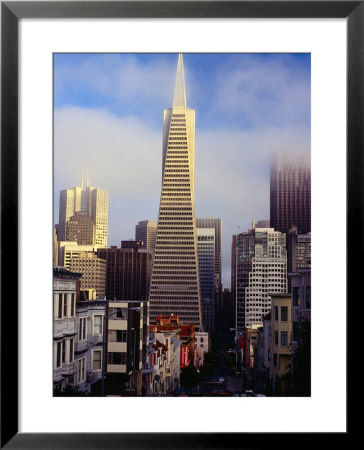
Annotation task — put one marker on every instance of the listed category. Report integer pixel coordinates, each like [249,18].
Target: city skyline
[248,107]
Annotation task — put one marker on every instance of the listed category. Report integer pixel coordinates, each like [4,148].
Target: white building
[175,284]
[89,347]
[202,339]
[64,327]
[68,250]
[260,269]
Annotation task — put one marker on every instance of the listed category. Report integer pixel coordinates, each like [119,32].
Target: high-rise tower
[175,285]
[290,194]
[89,200]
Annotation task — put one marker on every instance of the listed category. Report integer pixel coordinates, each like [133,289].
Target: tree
[189,377]
[300,376]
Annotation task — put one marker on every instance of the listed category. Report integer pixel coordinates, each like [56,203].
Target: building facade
[260,269]
[206,261]
[93,270]
[128,271]
[290,194]
[127,347]
[68,250]
[90,200]
[281,342]
[81,229]
[89,345]
[146,231]
[175,285]
[202,346]
[65,291]
[216,224]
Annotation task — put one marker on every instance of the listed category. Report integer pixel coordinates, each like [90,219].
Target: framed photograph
[48,51]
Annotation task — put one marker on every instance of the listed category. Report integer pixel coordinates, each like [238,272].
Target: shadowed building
[146,231]
[216,224]
[290,194]
[175,285]
[81,229]
[128,271]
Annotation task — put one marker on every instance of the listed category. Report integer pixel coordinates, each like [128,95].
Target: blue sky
[108,112]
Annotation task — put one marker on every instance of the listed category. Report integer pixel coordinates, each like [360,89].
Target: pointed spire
[179,99]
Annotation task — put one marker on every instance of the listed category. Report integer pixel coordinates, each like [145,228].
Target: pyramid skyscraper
[175,285]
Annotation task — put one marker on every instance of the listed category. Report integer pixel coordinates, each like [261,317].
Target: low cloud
[123,155]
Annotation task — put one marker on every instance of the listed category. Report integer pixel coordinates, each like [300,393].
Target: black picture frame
[11,12]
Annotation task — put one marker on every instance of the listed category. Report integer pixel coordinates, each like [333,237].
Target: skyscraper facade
[260,270]
[212,222]
[81,229]
[90,200]
[175,285]
[290,194]
[146,231]
[128,272]
[206,261]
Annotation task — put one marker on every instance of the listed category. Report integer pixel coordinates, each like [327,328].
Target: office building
[81,229]
[68,250]
[206,260]
[216,224]
[128,271]
[90,200]
[259,269]
[290,194]
[93,270]
[146,231]
[175,285]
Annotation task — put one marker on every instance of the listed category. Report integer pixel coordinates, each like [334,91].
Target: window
[60,299]
[308,297]
[71,350]
[276,338]
[296,296]
[82,329]
[81,370]
[65,305]
[284,338]
[118,313]
[72,305]
[284,313]
[116,358]
[274,359]
[117,336]
[97,324]
[276,313]
[295,331]
[63,352]
[58,356]
[96,359]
